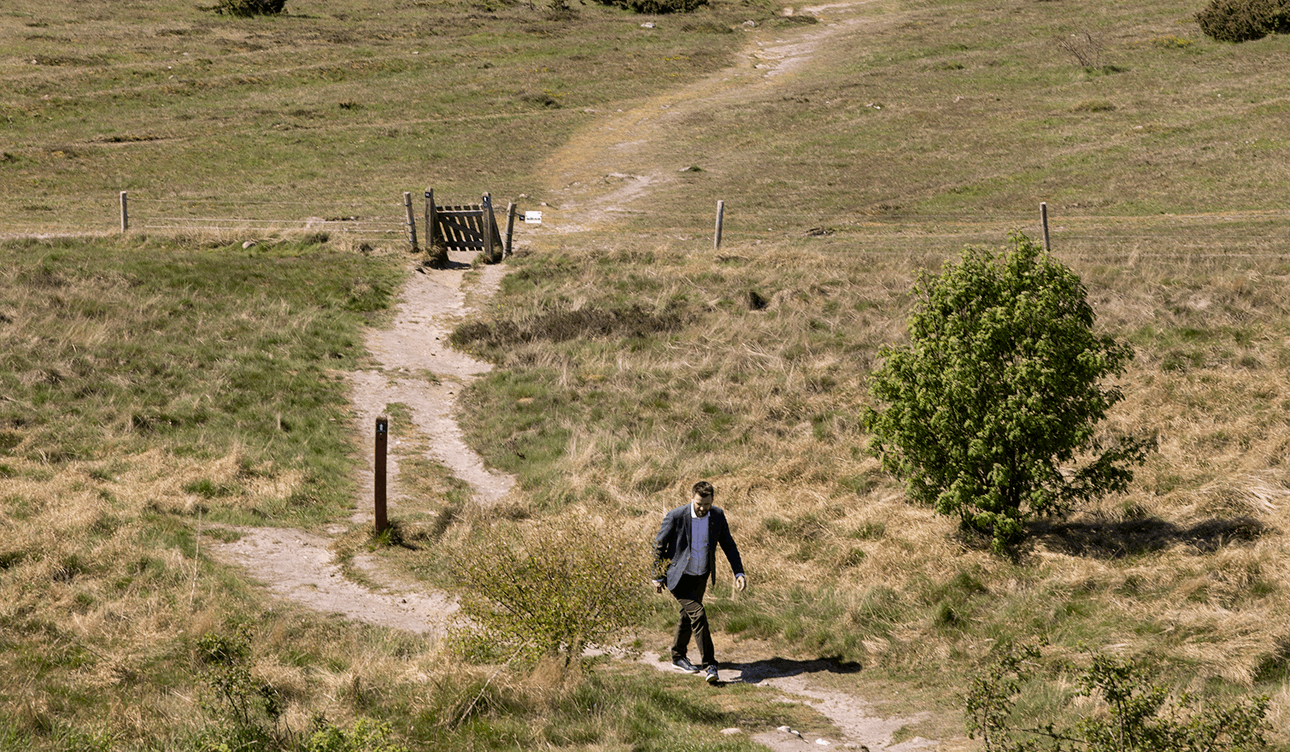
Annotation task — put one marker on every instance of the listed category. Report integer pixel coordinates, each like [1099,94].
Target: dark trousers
[694,620]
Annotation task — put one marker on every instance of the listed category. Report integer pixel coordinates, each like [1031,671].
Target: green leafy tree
[997,397]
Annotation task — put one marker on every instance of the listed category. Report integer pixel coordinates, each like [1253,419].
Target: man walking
[689,538]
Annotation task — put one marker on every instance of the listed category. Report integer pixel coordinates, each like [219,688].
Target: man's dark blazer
[673,542]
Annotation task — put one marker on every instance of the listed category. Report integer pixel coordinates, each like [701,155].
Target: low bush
[563,325]
[1244,20]
[248,8]
[567,585]
[1130,712]
[659,7]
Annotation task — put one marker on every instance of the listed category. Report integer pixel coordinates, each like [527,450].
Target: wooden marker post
[382,433]
[125,214]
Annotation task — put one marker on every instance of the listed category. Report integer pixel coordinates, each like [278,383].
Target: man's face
[701,504]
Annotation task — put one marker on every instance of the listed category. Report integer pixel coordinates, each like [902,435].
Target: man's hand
[658,586]
[741,582]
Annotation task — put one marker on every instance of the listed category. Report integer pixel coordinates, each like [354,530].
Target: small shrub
[561,326]
[365,735]
[246,707]
[1135,713]
[567,585]
[1244,20]
[1083,47]
[248,8]
[657,7]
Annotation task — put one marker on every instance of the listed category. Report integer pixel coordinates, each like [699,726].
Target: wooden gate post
[487,203]
[429,219]
[412,220]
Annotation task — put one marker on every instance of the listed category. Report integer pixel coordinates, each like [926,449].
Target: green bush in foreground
[1134,714]
[998,392]
[1244,20]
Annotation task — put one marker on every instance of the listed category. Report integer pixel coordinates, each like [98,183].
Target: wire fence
[100,216]
[1257,233]
[378,220]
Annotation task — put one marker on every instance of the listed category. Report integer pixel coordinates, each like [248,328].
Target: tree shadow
[1105,539]
[778,668]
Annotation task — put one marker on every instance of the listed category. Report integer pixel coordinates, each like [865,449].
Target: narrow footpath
[607,169]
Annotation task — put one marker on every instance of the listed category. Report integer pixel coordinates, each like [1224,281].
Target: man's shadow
[778,668]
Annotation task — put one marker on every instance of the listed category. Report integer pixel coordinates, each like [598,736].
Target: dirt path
[606,170]
[416,368]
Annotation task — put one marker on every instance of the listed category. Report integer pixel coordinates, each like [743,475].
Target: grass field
[200,115]
[160,383]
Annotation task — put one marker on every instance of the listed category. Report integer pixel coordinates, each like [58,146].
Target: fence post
[382,432]
[125,213]
[429,219]
[412,220]
[510,225]
[721,215]
[1043,218]
[487,203]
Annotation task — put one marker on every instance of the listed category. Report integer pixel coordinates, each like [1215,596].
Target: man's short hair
[704,488]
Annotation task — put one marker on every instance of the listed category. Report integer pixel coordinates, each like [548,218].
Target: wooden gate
[472,227]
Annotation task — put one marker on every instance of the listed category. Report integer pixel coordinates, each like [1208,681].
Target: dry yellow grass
[1188,567]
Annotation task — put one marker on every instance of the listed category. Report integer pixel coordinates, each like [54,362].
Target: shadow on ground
[779,668]
[1114,540]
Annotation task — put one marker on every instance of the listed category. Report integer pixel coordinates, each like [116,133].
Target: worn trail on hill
[603,172]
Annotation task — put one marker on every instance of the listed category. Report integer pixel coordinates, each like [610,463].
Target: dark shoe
[711,675]
[683,664]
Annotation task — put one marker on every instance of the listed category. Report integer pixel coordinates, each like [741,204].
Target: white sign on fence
[533,217]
